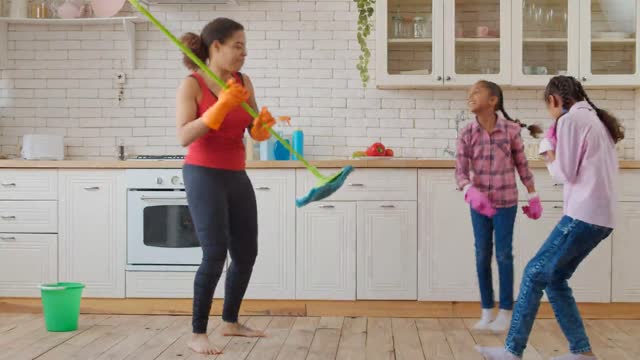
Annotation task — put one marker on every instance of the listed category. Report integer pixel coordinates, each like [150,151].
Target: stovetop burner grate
[159,157]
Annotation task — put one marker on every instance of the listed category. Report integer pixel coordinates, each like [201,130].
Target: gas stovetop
[158,157]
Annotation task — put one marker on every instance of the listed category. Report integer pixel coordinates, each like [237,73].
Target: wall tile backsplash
[302,57]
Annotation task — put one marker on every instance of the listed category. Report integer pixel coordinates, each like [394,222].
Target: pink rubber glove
[479,202]
[534,209]
[551,135]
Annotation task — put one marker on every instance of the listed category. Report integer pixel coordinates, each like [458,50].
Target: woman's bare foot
[236,329]
[200,343]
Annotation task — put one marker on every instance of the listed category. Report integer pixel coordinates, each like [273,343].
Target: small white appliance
[42,147]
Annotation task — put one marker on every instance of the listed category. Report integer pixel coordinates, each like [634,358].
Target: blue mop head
[325,190]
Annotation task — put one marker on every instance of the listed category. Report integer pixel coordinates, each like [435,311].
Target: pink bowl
[106,8]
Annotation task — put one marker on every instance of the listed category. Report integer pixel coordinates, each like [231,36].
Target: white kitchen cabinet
[26,261]
[592,280]
[166,284]
[274,271]
[28,184]
[92,233]
[29,216]
[546,40]
[626,247]
[465,41]
[402,59]
[326,251]
[477,41]
[609,48]
[446,252]
[367,185]
[386,248]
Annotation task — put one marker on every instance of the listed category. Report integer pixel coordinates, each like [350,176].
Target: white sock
[502,322]
[575,357]
[485,320]
[496,353]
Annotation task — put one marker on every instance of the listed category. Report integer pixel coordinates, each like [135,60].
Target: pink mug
[482,31]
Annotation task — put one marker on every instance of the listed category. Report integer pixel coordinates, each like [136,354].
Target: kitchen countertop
[163,164]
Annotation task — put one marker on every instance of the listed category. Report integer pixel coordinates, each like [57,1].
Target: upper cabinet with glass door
[609,42]
[408,43]
[477,41]
[546,40]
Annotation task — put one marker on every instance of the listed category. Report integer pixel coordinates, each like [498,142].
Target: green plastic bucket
[61,305]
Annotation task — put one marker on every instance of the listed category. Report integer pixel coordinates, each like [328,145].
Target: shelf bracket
[130,29]
[4,45]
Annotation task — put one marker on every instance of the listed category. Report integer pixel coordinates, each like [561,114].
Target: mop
[325,186]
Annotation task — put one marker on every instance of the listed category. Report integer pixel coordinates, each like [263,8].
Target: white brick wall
[302,56]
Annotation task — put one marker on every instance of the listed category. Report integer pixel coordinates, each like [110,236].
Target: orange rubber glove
[261,125]
[228,100]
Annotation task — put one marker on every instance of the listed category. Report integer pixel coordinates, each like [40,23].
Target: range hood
[187,2]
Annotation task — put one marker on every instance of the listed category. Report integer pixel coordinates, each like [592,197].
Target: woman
[221,199]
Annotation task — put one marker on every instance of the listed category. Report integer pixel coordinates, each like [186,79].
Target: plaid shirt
[492,160]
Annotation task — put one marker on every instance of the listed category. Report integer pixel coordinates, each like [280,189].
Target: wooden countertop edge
[132,164]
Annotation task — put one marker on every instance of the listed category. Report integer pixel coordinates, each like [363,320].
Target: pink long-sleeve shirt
[586,163]
[489,161]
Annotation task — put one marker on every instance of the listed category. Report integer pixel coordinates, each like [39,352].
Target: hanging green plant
[365,15]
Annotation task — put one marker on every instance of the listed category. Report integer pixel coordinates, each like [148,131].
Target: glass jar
[419,27]
[40,9]
[397,26]
[408,27]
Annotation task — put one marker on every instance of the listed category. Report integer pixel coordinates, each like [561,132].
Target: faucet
[460,118]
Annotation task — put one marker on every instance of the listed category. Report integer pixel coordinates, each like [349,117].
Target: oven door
[160,230]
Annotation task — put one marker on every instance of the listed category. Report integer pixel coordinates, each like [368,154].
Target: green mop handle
[219,81]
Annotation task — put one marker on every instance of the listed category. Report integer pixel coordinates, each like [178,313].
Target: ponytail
[495,90]
[570,90]
[194,43]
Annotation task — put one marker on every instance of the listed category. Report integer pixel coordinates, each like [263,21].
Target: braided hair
[570,91]
[495,90]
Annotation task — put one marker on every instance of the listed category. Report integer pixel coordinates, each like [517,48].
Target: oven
[160,232]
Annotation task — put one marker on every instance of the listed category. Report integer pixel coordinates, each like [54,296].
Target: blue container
[267,149]
[281,152]
[298,143]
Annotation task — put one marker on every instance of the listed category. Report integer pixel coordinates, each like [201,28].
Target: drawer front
[29,216]
[547,188]
[163,284]
[367,184]
[629,189]
[28,184]
[26,261]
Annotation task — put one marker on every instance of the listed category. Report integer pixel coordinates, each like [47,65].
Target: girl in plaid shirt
[489,152]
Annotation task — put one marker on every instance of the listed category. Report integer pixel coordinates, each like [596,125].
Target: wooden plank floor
[141,337]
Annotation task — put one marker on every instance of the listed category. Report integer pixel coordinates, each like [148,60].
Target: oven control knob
[176,180]
[159,180]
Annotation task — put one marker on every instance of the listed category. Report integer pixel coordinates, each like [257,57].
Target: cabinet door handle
[327,207]
[263,188]
[388,206]
[448,78]
[557,185]
[439,78]
[8,217]
[8,238]
[92,188]
[355,185]
[8,184]
[558,207]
